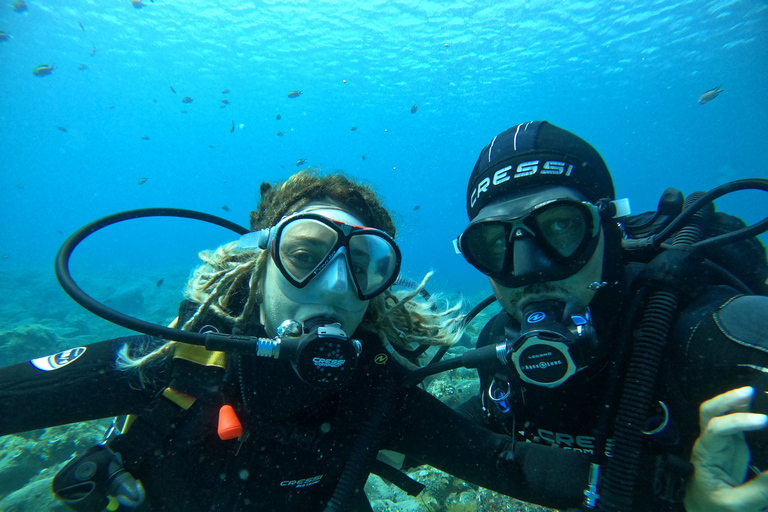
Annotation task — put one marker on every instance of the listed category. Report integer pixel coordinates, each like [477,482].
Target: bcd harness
[183,412]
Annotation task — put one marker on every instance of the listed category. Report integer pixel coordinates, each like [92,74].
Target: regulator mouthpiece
[320,352]
[550,346]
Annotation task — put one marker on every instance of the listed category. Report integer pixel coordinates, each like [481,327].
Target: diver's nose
[334,277]
[528,258]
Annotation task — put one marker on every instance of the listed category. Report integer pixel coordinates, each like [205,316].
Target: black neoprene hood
[536,153]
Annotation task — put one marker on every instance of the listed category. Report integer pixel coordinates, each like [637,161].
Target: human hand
[721,457]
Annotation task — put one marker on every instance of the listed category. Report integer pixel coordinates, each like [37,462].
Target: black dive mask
[550,240]
[551,348]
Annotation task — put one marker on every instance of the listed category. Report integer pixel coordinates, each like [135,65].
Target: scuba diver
[615,328]
[296,388]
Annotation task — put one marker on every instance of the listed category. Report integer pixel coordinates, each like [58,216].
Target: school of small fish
[44,70]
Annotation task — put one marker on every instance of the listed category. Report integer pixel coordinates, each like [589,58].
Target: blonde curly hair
[229,282]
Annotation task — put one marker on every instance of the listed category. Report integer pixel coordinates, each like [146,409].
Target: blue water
[626,76]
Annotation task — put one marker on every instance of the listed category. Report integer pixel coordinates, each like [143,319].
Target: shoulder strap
[196,378]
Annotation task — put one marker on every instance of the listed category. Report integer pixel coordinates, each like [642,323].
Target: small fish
[187,99]
[143,181]
[93,50]
[81,26]
[110,107]
[183,111]
[3,36]
[82,67]
[280,134]
[154,100]
[414,109]
[225,208]
[710,95]
[61,129]
[137,4]
[354,128]
[416,207]
[211,146]
[225,101]
[160,282]
[222,106]
[43,70]
[225,91]
[278,117]
[294,94]
[19,6]
[173,90]
[363,157]
[300,161]
[144,137]
[232,127]
[20,185]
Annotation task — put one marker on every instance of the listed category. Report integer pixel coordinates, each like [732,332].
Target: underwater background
[401,94]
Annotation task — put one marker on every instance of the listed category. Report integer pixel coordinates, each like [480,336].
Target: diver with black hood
[615,328]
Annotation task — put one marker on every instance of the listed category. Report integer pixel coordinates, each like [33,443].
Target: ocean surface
[108,128]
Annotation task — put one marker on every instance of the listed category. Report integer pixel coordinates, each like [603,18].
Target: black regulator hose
[364,452]
[467,319]
[664,279]
[109,314]
[704,199]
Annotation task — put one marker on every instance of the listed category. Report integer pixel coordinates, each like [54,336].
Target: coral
[454,387]
[35,497]
[17,342]
[443,493]
[24,457]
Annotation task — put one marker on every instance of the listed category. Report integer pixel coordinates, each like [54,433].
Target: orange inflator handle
[229,424]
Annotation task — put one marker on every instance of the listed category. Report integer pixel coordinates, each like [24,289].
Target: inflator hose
[621,470]
[364,452]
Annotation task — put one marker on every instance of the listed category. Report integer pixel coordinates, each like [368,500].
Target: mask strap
[614,209]
[256,239]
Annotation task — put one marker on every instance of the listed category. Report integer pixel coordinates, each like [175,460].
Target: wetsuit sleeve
[434,434]
[78,384]
[726,347]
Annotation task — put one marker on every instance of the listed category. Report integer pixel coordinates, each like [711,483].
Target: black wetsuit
[300,438]
[719,342]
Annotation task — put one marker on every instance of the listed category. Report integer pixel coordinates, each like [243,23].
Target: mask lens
[373,262]
[304,244]
[486,245]
[563,227]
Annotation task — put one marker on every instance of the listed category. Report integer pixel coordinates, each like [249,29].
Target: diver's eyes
[560,225]
[301,257]
[304,257]
[563,228]
[487,244]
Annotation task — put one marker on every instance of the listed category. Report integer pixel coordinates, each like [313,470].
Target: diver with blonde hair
[294,421]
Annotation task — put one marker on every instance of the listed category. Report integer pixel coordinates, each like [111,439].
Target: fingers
[734,400]
[753,495]
[736,423]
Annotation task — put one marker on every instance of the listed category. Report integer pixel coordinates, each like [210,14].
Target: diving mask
[548,240]
[304,244]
